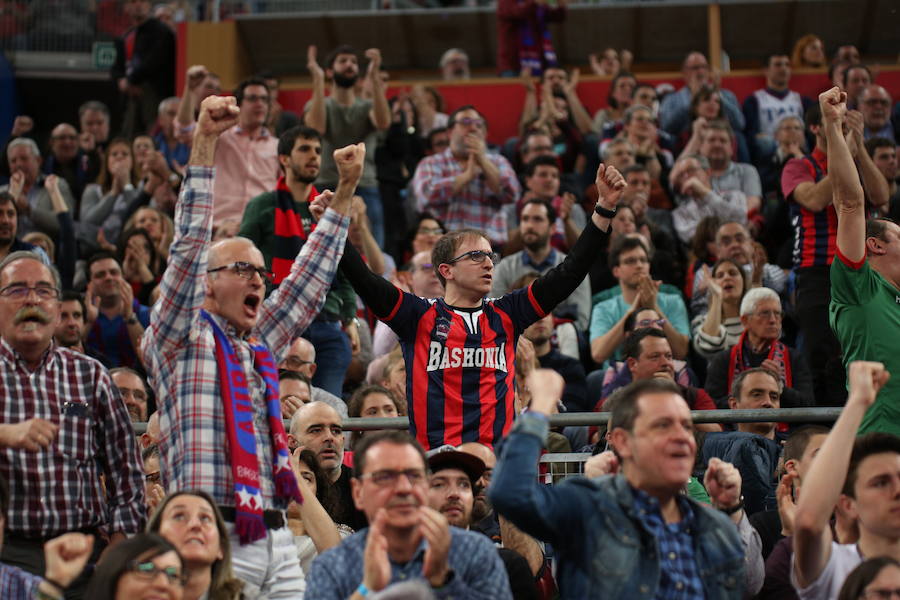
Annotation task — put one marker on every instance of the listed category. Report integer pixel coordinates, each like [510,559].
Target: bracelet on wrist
[605,212]
[362,590]
[733,509]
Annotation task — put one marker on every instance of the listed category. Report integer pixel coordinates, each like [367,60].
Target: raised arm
[823,484]
[381,112]
[849,201]
[315,116]
[182,291]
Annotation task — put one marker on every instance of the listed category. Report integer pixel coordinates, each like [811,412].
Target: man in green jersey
[865,280]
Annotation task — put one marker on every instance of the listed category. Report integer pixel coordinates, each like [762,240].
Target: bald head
[318,427]
[151,436]
[300,357]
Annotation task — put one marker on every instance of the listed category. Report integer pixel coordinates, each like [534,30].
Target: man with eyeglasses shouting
[465,186]
[406,539]
[460,349]
[67,447]
[212,349]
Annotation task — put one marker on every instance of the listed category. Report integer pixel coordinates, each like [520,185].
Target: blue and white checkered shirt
[678,575]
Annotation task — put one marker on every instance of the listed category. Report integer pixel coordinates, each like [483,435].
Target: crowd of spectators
[222,266]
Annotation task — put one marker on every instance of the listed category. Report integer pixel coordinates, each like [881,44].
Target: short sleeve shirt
[865,316]
[346,125]
[844,558]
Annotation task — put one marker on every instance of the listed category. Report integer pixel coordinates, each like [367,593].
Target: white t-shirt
[844,558]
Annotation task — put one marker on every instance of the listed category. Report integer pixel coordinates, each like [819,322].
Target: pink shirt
[244,168]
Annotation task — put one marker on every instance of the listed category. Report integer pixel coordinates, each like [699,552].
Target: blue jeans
[333,355]
[375,211]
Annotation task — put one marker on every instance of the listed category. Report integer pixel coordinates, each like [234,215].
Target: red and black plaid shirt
[59,489]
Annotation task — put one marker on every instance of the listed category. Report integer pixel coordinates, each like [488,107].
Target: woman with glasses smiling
[142,566]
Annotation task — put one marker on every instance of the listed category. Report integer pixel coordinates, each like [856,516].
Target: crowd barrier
[768,415]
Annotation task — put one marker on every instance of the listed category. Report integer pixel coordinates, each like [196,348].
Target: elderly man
[211,351]
[695,197]
[454,65]
[664,543]
[64,428]
[465,186]
[674,111]
[875,106]
[33,203]
[865,278]
[317,427]
[759,346]
[406,539]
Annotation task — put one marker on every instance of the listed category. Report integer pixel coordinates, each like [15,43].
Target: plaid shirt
[678,576]
[17,584]
[475,206]
[60,489]
[179,348]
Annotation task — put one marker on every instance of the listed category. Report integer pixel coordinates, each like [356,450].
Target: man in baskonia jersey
[807,187]
[865,280]
[460,349]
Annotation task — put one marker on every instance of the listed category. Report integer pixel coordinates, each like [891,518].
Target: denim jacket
[604,551]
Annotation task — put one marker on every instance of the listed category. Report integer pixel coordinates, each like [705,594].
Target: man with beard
[717,146]
[64,427]
[279,222]
[133,390]
[345,118]
[536,226]
[451,487]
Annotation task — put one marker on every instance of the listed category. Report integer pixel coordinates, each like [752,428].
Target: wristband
[362,590]
[605,212]
[733,509]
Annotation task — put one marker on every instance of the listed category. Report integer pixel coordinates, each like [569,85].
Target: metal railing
[759,415]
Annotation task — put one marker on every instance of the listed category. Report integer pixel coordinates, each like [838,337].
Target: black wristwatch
[605,212]
[733,509]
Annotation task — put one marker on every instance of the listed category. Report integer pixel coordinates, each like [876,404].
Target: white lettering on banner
[441,357]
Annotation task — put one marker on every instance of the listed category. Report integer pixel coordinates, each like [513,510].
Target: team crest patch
[441,328]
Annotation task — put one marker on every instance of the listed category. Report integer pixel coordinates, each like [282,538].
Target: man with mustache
[345,118]
[406,539]
[63,427]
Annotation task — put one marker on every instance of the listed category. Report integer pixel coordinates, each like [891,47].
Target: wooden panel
[220,47]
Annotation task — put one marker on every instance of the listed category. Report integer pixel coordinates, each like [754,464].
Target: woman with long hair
[142,566]
[106,205]
[141,266]
[191,521]
[314,530]
[720,326]
[621,92]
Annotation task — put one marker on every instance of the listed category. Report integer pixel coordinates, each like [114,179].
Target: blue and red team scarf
[248,522]
[536,55]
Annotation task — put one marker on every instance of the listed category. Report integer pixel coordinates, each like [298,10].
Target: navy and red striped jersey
[815,233]
[460,365]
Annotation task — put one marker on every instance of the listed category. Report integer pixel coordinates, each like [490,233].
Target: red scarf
[290,235]
[739,361]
